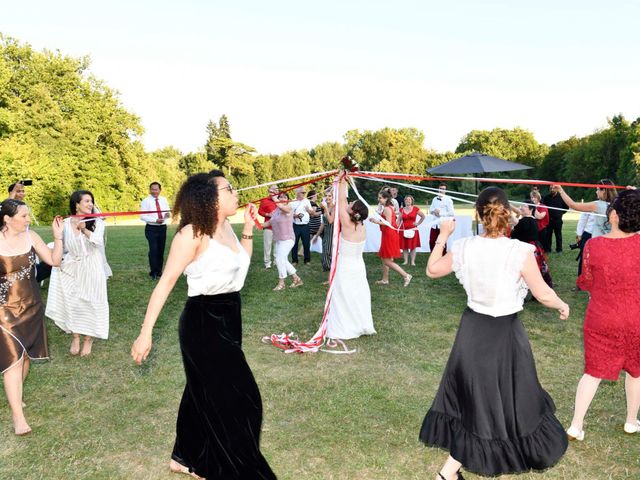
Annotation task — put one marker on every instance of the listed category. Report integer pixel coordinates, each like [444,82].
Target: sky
[293,74]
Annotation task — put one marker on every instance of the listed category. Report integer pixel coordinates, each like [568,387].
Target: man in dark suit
[553,199]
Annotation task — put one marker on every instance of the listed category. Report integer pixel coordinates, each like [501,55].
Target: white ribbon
[287,180]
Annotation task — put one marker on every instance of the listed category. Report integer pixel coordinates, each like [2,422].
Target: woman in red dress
[410,239]
[390,243]
[612,321]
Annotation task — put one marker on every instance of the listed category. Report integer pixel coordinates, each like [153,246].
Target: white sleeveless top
[489,270]
[217,270]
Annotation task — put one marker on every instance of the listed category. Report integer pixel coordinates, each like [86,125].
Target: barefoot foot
[21,428]
[86,346]
[75,346]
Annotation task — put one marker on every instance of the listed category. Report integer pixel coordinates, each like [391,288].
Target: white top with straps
[217,270]
[489,270]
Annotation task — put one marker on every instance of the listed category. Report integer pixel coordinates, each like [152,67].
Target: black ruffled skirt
[220,416]
[490,412]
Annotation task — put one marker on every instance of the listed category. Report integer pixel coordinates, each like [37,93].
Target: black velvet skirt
[490,411]
[220,415]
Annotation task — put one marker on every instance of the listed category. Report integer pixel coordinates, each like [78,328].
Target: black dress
[527,231]
[490,411]
[220,415]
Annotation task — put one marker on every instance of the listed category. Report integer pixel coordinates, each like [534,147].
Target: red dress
[543,222]
[390,243]
[612,321]
[409,221]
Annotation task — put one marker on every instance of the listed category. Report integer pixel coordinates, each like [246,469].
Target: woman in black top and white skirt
[220,415]
[490,411]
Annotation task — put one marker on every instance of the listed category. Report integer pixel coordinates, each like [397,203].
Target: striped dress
[77,300]
[327,242]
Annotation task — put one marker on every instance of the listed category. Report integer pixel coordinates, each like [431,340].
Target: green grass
[325,416]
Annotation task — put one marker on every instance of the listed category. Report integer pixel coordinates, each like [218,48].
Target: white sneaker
[574,434]
[632,427]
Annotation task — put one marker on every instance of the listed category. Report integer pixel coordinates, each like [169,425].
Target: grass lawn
[325,416]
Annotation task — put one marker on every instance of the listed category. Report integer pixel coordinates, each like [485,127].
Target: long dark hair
[9,207]
[386,194]
[197,203]
[76,198]
[610,193]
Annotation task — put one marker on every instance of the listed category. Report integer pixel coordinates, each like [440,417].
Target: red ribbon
[114,214]
[400,176]
[284,341]
[293,187]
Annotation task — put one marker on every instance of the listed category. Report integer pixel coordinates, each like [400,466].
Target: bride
[350,308]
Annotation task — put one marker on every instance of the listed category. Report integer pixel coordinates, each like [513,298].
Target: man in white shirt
[156,229]
[441,207]
[302,212]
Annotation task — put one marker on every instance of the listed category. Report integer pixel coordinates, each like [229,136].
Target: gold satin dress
[22,327]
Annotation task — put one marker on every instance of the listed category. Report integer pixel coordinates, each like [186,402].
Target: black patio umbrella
[476,163]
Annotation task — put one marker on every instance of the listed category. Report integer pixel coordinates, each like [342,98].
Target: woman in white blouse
[490,411]
[220,415]
[77,300]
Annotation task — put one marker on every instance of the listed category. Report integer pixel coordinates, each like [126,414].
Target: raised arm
[284,206]
[590,207]
[50,256]
[439,265]
[342,200]
[247,230]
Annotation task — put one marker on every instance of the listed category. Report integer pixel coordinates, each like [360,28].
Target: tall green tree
[66,130]
[218,138]
[516,145]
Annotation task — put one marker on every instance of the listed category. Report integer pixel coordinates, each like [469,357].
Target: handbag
[408,233]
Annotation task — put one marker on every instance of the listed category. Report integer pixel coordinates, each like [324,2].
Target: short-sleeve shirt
[490,269]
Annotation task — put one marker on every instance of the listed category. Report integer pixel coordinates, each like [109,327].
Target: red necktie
[159,210]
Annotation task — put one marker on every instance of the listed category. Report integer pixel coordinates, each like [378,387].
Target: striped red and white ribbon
[289,342]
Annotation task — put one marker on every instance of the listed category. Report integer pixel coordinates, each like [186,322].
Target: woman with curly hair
[350,308]
[220,415]
[490,411]
[612,320]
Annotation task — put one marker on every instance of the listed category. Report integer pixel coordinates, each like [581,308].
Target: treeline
[65,129]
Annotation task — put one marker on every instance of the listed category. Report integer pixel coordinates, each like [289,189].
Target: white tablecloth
[463,229]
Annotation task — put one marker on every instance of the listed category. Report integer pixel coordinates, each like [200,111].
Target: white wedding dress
[350,308]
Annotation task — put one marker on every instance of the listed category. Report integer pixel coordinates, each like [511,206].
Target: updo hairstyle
[494,211]
[627,206]
[359,212]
